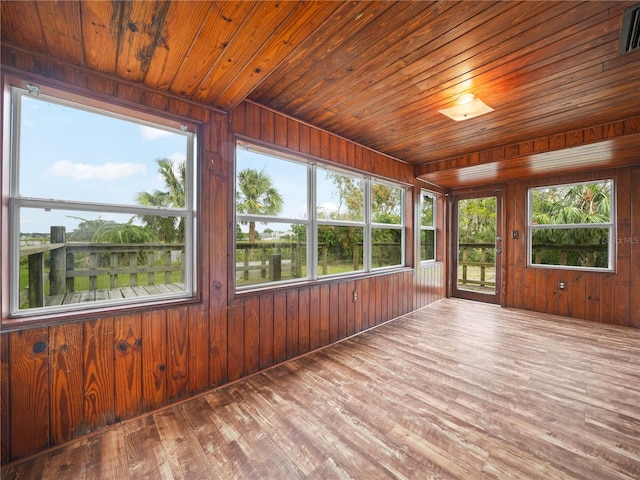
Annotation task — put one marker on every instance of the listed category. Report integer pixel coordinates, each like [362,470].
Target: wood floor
[456,390]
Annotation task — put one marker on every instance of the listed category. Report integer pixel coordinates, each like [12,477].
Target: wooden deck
[456,390]
[114,294]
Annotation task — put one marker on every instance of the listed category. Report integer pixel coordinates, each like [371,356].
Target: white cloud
[106,171]
[150,133]
[328,207]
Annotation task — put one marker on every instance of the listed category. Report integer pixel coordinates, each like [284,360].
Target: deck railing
[68,261]
[477,262]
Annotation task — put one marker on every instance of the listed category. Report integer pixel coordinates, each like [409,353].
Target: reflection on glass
[386,247]
[340,197]
[574,247]
[83,256]
[386,204]
[339,249]
[277,253]
[427,242]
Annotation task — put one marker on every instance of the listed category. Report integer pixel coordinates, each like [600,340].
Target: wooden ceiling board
[139,31]
[278,35]
[62,29]
[286,83]
[100,29]
[365,51]
[428,111]
[23,26]
[208,46]
[176,40]
[374,72]
[411,76]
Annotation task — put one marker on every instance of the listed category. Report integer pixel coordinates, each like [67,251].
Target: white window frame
[611,225]
[421,228]
[313,222]
[17,202]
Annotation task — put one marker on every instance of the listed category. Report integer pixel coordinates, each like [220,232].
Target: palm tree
[167,229]
[256,196]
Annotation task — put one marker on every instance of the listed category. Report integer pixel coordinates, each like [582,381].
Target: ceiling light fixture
[467,106]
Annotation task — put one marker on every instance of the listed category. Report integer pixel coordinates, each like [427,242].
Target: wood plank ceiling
[374,72]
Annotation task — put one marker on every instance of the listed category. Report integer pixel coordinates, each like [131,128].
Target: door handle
[498,250]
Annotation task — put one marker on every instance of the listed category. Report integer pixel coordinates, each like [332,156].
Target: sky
[71,154]
[289,178]
[78,155]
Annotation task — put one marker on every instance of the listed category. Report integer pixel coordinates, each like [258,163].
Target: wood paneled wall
[608,297]
[61,380]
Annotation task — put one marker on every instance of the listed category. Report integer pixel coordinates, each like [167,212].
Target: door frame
[452,271]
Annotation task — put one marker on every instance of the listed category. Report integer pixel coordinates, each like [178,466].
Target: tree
[166,229]
[256,196]
[108,231]
[567,205]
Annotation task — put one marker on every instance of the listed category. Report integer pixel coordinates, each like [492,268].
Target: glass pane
[69,257]
[583,203]
[386,247]
[339,196]
[266,185]
[426,210]
[386,204]
[575,247]
[71,154]
[339,249]
[277,253]
[476,244]
[427,245]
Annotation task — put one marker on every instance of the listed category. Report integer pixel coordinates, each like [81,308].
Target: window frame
[611,225]
[15,89]
[313,221]
[421,228]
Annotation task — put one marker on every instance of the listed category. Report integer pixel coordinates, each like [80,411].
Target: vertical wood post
[71,286]
[275,267]
[58,262]
[36,280]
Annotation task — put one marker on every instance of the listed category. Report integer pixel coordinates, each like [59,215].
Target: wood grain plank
[252,333]
[100,35]
[178,350]
[235,345]
[5,426]
[98,355]
[153,327]
[127,366]
[29,401]
[139,29]
[314,317]
[303,320]
[292,324]
[266,330]
[279,327]
[325,314]
[66,382]
[198,350]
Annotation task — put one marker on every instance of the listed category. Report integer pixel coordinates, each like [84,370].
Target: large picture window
[300,221]
[572,226]
[101,206]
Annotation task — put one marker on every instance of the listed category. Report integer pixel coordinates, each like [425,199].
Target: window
[272,217]
[101,206]
[296,220]
[572,226]
[427,227]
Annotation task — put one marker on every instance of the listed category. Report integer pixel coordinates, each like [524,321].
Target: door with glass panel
[477,246]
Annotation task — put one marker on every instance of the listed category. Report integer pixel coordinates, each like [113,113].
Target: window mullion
[367,227]
[312,228]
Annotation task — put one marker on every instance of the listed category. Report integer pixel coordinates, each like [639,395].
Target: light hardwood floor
[455,390]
